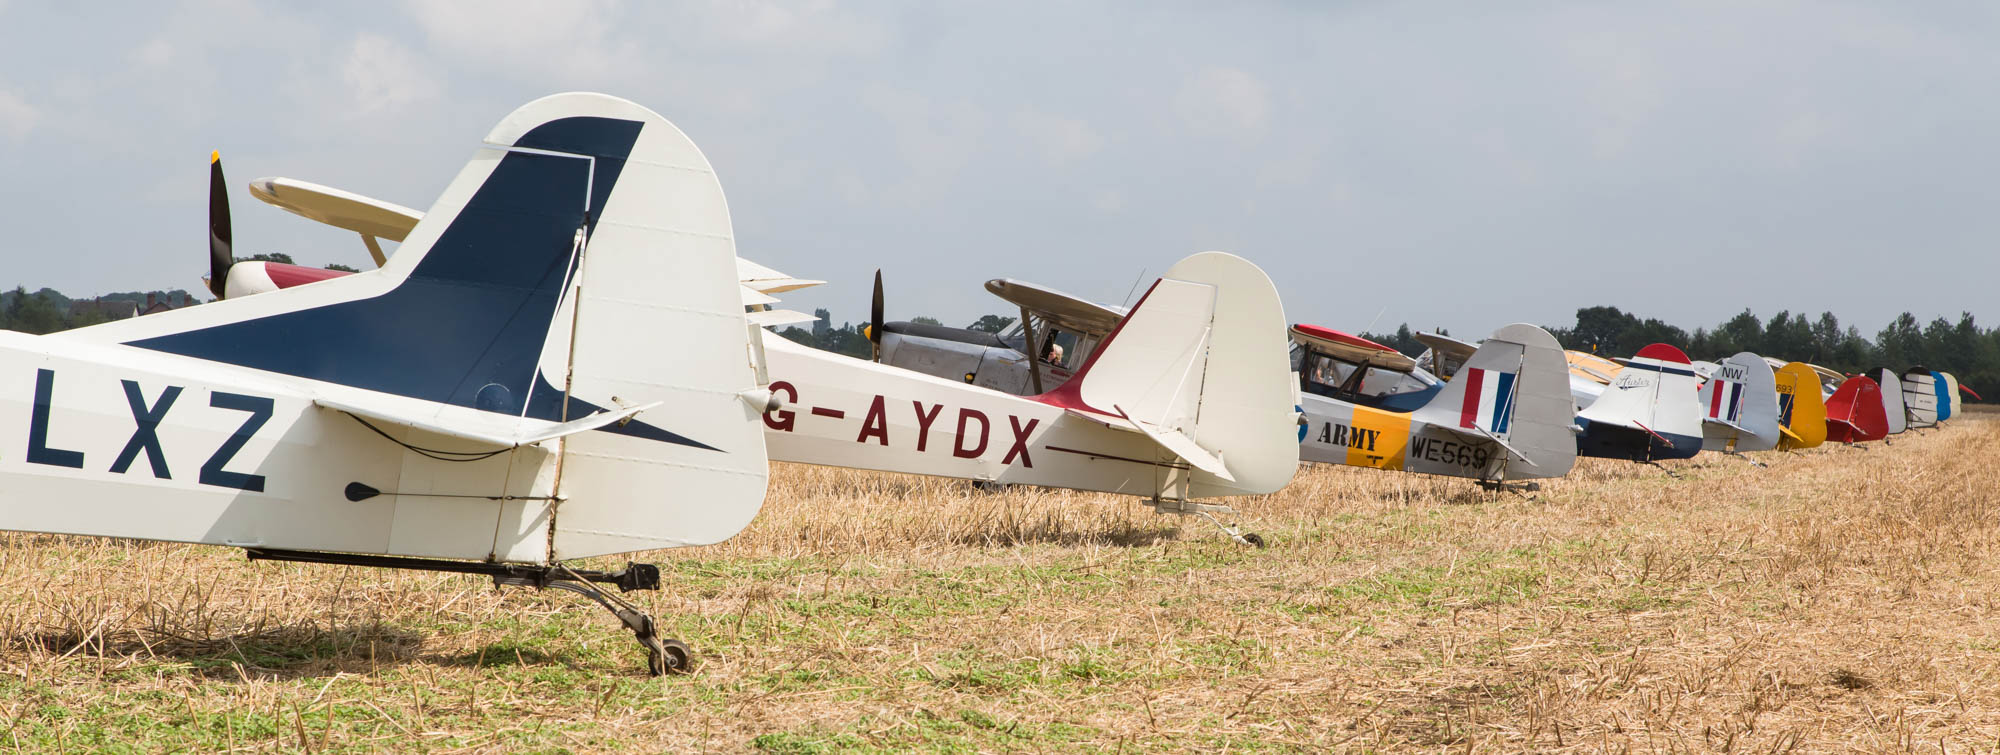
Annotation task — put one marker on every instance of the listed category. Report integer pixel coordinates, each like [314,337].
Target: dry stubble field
[1840,599]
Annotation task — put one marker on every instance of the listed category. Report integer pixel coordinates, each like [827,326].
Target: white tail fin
[1892,399]
[1739,406]
[1514,388]
[582,262]
[1648,411]
[1204,356]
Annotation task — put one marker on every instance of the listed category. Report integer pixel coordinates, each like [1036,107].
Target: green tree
[991,323]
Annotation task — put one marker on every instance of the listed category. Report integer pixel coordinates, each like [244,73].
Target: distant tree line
[1962,348]
[48,310]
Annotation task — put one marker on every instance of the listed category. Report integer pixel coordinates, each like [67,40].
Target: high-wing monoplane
[1505,415]
[1647,412]
[672,392]
[1801,406]
[1061,330]
[1740,406]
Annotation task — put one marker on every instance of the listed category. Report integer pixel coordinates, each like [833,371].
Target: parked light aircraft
[1740,406]
[1895,415]
[1854,413]
[1062,330]
[476,405]
[1188,399]
[1801,406]
[1504,416]
[1648,412]
[1920,397]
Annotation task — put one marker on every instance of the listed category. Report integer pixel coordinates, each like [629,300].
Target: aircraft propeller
[221,252]
[875,320]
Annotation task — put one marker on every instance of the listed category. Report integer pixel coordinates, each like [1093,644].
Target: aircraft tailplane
[581,265]
[1513,389]
[1197,363]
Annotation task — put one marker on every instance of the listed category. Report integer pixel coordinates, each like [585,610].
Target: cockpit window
[1059,348]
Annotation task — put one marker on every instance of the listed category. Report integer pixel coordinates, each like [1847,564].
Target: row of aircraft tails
[564,358]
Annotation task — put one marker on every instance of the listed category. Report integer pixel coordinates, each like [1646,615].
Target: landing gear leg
[1518,488]
[1208,511]
[1659,466]
[663,655]
[1236,533]
[1753,462]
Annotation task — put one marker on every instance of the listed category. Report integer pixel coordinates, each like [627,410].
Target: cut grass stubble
[1840,599]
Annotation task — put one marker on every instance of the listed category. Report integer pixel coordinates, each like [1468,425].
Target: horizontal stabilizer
[1482,433]
[1725,423]
[1171,440]
[771,318]
[501,431]
[760,278]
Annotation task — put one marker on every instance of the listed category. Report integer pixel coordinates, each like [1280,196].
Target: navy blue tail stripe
[466,327]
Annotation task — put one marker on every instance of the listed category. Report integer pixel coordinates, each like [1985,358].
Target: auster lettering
[1020,447]
[38,427]
[876,423]
[924,420]
[958,446]
[147,436]
[782,419]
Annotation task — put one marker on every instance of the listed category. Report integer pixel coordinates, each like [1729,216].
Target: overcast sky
[1446,164]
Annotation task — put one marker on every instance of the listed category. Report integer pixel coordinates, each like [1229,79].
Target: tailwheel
[1255,539]
[669,656]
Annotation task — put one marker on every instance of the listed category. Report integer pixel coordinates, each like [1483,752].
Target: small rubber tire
[672,657]
[1256,540]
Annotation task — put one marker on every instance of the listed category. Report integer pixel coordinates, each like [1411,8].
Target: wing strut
[1034,358]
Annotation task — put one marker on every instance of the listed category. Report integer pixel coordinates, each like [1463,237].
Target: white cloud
[382,76]
[813,27]
[937,141]
[1057,138]
[17,117]
[569,43]
[1224,102]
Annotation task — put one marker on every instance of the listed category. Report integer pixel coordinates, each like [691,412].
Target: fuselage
[1343,433]
[119,441]
[846,412]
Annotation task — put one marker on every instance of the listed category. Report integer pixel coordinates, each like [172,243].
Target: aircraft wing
[341,209]
[504,431]
[1174,441]
[1060,309]
[375,218]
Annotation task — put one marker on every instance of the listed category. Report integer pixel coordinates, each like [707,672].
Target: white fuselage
[123,442]
[845,412]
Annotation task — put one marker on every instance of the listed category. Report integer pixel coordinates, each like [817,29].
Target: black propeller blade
[875,320]
[221,252]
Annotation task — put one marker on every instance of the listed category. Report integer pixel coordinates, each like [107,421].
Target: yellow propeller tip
[215,156]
